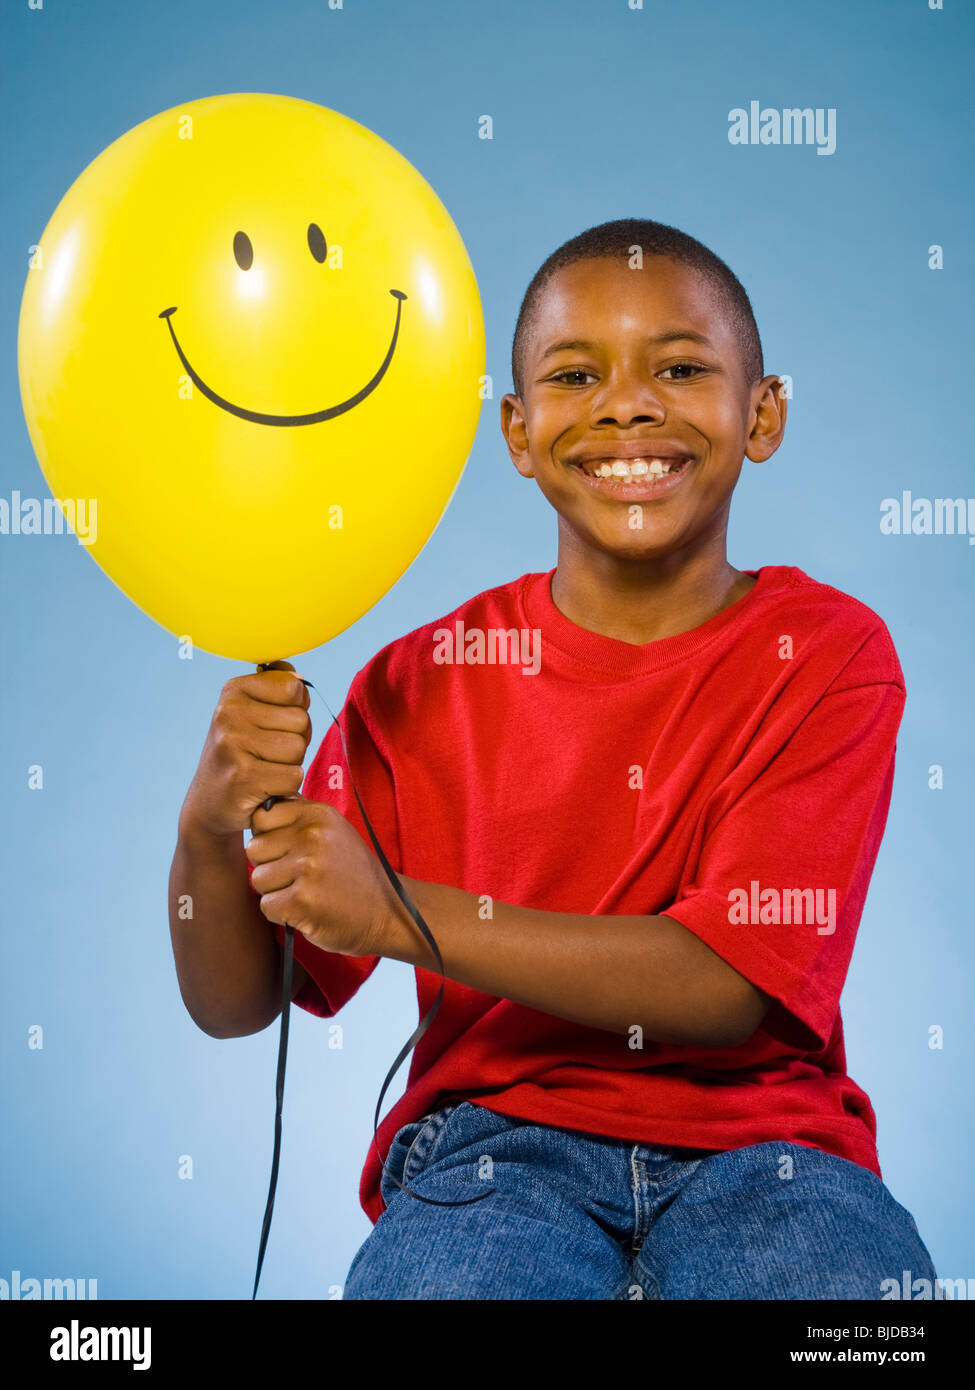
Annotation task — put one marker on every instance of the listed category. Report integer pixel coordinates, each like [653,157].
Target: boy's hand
[314,873]
[256,744]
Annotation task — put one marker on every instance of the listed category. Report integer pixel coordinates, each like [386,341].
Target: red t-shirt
[735,777]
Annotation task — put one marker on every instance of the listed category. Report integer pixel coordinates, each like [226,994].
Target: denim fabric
[576,1216]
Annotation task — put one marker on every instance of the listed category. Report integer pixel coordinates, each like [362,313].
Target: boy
[644,856]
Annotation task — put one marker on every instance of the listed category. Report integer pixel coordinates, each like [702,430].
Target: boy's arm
[313,871]
[606,972]
[813,816]
[228,964]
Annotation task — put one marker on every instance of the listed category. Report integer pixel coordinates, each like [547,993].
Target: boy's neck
[640,601]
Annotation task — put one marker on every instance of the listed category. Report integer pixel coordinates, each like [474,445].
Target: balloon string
[289,946]
[407,1047]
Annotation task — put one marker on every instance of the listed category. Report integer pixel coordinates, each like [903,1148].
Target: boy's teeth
[632,468]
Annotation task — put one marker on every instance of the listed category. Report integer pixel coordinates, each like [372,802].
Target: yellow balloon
[252,336]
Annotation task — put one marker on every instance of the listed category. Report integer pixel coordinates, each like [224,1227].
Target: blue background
[599,112]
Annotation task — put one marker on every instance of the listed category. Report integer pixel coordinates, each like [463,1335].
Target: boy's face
[625,395]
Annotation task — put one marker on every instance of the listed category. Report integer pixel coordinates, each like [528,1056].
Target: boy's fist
[315,873]
[255,747]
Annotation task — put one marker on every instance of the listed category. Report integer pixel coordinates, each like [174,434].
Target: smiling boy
[639,1050]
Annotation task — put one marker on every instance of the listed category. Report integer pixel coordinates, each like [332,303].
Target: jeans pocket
[412,1147]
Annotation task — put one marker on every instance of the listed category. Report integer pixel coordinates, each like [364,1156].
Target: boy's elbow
[233,1031]
[716,1026]
[232,1027]
[222,1034]
[720,1006]
[744,1013]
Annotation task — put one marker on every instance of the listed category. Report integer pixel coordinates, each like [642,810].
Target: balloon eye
[243,251]
[316,242]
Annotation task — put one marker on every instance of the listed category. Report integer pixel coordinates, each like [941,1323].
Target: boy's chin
[648,543]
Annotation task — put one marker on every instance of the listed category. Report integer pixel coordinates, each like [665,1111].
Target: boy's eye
[570,371]
[685,367]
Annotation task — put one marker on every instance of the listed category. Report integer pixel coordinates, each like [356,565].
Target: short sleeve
[333,978]
[782,874]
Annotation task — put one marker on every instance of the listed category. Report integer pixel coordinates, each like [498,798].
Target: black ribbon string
[424,1024]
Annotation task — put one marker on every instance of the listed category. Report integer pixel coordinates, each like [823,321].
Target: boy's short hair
[617,239]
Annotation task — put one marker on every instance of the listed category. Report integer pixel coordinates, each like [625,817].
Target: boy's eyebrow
[674,335]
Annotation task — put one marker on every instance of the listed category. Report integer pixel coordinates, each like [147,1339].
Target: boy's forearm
[227,960]
[606,972]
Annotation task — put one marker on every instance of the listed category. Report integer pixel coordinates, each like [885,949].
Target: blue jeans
[576,1216]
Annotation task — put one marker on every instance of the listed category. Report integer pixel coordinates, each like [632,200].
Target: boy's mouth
[647,466]
[639,478]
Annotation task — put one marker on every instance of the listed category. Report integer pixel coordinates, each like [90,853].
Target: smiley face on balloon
[244,256]
[251,332]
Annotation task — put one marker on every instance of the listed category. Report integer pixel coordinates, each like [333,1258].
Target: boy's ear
[769,409]
[514,427]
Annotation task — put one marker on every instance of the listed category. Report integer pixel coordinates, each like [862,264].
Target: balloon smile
[317,416]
